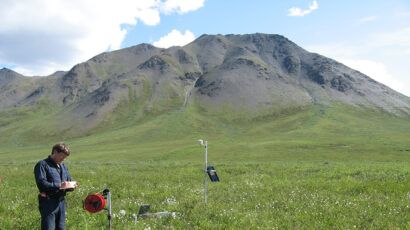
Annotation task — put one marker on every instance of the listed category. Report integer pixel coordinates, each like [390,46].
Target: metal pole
[205,171]
[109,211]
[107,194]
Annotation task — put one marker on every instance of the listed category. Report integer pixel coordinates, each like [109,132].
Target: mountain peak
[279,73]
[6,70]
[256,37]
[58,73]
[7,75]
[256,74]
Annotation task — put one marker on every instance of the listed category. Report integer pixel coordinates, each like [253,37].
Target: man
[53,181]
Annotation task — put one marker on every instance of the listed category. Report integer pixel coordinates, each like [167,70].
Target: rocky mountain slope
[251,75]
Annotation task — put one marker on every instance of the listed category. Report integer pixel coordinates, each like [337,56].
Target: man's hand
[69,185]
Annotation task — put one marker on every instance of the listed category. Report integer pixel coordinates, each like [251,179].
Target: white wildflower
[122,212]
[170,201]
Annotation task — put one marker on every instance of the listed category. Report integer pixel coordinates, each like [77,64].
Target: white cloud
[181,6]
[296,11]
[39,70]
[175,38]
[376,70]
[37,36]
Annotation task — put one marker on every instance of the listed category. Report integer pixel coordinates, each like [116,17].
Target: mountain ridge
[246,76]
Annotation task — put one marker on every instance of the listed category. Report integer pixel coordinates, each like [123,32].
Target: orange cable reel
[94,203]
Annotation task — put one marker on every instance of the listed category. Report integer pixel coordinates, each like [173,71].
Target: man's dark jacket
[49,178]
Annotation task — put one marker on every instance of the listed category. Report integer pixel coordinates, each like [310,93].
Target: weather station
[209,170]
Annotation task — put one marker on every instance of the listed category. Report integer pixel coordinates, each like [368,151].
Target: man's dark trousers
[52,213]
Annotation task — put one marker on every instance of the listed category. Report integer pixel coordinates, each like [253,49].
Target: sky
[39,37]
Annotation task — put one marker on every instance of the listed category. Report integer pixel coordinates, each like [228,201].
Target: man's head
[59,152]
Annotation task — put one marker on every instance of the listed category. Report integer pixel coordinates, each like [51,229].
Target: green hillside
[329,166]
[334,132]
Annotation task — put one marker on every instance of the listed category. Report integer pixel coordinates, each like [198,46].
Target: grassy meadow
[325,167]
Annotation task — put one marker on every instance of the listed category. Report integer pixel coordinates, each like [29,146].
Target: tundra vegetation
[321,167]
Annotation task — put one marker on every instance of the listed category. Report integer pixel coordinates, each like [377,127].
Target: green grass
[267,195]
[325,167]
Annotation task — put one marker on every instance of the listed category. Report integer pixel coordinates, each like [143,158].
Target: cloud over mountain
[175,38]
[58,33]
[296,11]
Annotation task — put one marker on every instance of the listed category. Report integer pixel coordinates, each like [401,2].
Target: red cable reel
[94,203]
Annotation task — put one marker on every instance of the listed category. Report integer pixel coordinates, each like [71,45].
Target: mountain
[283,75]
[12,87]
[231,77]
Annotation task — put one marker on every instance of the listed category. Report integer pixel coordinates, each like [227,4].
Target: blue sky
[38,37]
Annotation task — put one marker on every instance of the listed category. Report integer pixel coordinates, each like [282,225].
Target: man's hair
[60,148]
